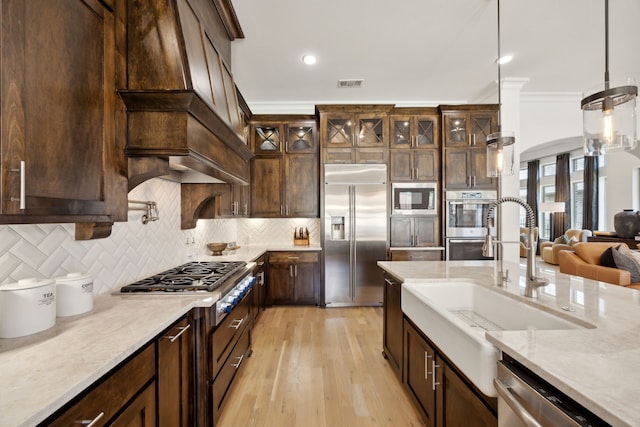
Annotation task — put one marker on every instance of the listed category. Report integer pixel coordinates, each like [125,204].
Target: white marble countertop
[598,367]
[40,373]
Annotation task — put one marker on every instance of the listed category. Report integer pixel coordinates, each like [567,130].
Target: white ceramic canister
[74,294]
[27,307]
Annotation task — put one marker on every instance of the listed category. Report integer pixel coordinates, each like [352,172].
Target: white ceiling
[425,52]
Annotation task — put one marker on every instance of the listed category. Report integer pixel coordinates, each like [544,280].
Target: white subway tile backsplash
[133,250]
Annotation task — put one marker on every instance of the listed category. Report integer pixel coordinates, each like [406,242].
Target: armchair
[549,250]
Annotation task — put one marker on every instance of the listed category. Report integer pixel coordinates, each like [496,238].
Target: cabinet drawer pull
[433,373]
[91,423]
[505,392]
[22,199]
[426,365]
[182,330]
[237,365]
[293,257]
[235,324]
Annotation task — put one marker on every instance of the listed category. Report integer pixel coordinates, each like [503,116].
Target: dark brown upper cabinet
[354,133]
[468,125]
[414,142]
[285,172]
[465,129]
[60,145]
[182,103]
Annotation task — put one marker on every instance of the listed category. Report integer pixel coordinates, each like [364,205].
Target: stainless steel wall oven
[465,215]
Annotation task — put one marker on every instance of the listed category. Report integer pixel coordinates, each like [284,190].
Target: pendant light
[500,154]
[609,116]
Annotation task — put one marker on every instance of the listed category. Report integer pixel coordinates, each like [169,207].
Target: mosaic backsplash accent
[133,250]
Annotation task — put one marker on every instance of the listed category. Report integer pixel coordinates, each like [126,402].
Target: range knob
[226,307]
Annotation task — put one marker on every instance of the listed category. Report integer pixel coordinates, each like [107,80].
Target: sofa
[549,250]
[584,260]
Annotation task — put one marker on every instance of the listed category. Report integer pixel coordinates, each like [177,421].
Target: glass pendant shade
[500,154]
[609,120]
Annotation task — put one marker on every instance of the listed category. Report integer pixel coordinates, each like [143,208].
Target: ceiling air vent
[350,83]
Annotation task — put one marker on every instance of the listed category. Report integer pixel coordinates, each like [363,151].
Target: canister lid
[28,283]
[71,278]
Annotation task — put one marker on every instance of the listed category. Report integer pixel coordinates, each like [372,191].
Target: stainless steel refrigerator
[355,233]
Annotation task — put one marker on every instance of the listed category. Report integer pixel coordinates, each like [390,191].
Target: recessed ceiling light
[309,59]
[504,59]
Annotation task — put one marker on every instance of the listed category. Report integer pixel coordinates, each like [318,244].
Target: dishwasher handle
[505,392]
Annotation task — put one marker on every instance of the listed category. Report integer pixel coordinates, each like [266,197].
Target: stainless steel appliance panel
[414,198]
[337,242]
[465,250]
[466,212]
[526,400]
[355,233]
[370,245]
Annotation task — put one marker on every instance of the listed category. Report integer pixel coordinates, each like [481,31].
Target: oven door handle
[518,409]
[466,241]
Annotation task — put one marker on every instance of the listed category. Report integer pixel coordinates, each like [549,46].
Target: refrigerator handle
[352,239]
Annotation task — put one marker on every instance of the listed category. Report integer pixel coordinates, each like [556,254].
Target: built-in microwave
[415,198]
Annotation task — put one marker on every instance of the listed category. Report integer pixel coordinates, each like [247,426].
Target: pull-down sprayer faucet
[533,282]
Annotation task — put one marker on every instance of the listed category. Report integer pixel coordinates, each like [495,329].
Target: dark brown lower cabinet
[294,278]
[229,346]
[175,375]
[141,412]
[259,288]
[129,390]
[442,394]
[392,324]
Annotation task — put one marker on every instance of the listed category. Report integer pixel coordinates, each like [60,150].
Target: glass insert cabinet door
[300,139]
[267,139]
[339,132]
[468,129]
[361,130]
[370,132]
[483,126]
[413,132]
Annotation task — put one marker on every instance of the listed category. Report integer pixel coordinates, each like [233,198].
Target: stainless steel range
[232,279]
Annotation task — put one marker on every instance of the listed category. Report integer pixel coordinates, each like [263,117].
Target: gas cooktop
[193,276]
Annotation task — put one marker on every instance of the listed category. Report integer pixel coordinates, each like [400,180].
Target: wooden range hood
[180,97]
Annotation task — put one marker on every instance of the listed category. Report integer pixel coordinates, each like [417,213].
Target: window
[546,191]
[524,174]
[577,195]
[549,169]
[523,213]
[548,195]
[577,164]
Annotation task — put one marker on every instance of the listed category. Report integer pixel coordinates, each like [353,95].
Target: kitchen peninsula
[596,367]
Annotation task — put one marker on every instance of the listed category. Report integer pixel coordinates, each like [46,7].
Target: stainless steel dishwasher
[526,400]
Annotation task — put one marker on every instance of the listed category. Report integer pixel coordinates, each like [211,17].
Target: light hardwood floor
[318,367]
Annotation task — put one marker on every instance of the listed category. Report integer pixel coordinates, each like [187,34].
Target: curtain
[533,168]
[561,221]
[590,195]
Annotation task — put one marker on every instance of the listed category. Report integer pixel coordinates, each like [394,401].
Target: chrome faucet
[533,282]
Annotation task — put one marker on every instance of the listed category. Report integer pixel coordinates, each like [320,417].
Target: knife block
[304,241]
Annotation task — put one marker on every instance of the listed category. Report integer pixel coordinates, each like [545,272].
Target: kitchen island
[40,373]
[597,367]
